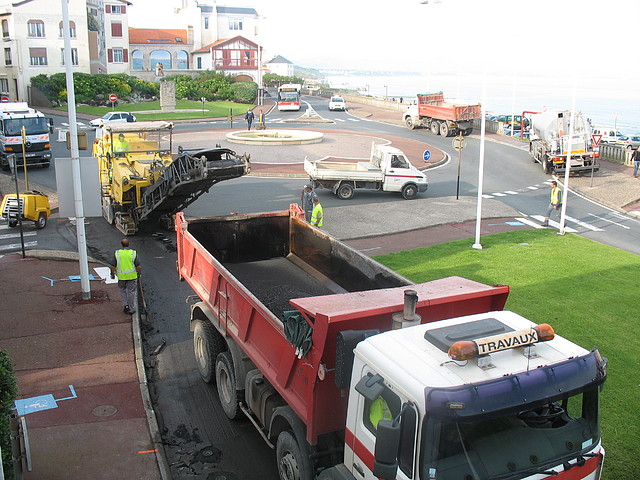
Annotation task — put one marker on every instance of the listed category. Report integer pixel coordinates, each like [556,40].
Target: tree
[8,392]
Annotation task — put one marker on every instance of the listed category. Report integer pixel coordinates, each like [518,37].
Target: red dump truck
[350,371]
[442,118]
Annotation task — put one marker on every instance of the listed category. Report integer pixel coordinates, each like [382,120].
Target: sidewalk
[85,359]
[81,383]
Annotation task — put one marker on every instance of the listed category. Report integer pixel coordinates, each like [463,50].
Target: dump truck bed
[250,269]
[359,171]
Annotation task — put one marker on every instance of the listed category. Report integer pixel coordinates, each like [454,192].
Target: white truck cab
[485,396]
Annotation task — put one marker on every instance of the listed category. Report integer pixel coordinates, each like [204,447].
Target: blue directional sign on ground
[426,155]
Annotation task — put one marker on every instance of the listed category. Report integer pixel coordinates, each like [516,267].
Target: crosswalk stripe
[529,222]
[16,235]
[583,224]
[554,224]
[16,246]
[499,194]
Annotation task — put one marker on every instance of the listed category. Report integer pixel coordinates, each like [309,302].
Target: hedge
[8,392]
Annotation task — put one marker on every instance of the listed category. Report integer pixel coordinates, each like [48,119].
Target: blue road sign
[426,155]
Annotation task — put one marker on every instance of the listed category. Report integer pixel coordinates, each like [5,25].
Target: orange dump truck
[442,118]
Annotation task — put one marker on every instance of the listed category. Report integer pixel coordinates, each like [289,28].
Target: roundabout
[275,137]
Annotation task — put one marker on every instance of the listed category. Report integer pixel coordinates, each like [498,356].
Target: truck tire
[445,131]
[13,223]
[42,221]
[435,127]
[207,344]
[226,385]
[293,461]
[409,123]
[409,191]
[468,131]
[345,191]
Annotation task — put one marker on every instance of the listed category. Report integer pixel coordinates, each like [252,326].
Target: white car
[113,117]
[337,103]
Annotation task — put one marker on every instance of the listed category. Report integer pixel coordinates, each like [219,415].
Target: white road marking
[583,224]
[17,235]
[530,223]
[554,224]
[16,246]
[610,221]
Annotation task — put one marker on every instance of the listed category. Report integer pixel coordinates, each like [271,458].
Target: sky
[591,47]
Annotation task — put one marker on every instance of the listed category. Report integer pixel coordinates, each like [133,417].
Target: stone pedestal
[168,96]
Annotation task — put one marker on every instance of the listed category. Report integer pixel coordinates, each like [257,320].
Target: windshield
[337,99]
[288,96]
[504,446]
[141,142]
[33,126]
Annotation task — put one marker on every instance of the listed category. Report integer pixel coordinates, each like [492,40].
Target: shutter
[116,30]
[110,55]
[123,9]
[125,55]
[108,8]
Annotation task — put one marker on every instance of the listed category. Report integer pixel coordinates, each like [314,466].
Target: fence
[616,153]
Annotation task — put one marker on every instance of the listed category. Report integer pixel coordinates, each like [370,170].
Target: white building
[280,66]
[34,44]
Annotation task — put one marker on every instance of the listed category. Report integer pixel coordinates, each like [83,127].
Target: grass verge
[587,291]
[208,110]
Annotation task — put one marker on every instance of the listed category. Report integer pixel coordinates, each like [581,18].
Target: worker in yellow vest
[379,410]
[126,266]
[555,204]
[317,214]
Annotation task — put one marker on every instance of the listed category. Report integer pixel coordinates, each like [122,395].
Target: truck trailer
[442,118]
[349,370]
[551,144]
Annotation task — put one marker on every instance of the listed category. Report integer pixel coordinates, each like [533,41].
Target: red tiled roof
[151,36]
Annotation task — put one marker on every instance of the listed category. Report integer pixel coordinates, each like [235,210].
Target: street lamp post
[386,92]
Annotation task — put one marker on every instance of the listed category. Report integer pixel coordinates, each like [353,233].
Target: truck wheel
[444,129]
[293,462]
[226,384]
[467,131]
[435,127]
[409,123]
[207,344]
[345,191]
[13,223]
[42,220]
[409,192]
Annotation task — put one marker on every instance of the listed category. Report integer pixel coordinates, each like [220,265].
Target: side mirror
[385,465]
[370,387]
[50,122]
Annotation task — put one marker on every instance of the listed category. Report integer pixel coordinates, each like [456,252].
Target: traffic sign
[112,97]
[4,99]
[426,155]
[596,139]
[459,143]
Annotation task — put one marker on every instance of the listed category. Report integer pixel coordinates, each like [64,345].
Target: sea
[607,102]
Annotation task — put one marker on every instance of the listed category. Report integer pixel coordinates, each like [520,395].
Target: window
[118,56]
[38,56]
[386,406]
[235,24]
[182,60]
[199,63]
[4,85]
[35,28]
[206,23]
[7,56]
[74,56]
[116,9]
[137,60]
[116,29]
[160,56]
[5,29]
[72,29]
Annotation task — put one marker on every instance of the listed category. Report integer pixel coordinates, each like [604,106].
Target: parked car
[113,117]
[631,142]
[337,103]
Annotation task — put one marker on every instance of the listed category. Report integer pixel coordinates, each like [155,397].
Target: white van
[609,134]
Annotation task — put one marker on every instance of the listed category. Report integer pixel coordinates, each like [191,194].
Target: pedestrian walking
[636,161]
[306,199]
[317,215]
[126,266]
[555,204]
[249,116]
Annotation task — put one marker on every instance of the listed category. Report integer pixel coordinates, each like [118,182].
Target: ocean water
[606,101]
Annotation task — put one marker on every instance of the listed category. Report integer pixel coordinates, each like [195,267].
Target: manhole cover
[104,411]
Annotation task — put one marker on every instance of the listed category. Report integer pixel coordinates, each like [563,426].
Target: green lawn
[211,109]
[587,291]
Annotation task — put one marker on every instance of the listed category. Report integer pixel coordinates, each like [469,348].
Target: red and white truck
[350,371]
[442,118]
